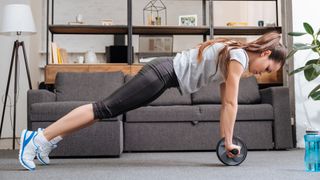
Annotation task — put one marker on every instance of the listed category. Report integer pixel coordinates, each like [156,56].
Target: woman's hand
[229,148]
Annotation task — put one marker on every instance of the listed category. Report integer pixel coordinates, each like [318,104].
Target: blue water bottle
[312,151]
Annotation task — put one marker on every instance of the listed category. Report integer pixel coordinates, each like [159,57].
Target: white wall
[306,109]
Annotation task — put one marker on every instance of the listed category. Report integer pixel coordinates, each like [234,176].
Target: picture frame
[188,20]
[155,46]
[156,43]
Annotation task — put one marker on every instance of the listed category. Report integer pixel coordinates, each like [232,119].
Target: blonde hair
[269,41]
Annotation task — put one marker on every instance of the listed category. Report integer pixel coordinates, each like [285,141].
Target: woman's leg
[76,119]
[150,82]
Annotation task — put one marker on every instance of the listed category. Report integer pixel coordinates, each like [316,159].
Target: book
[59,56]
[54,52]
[64,55]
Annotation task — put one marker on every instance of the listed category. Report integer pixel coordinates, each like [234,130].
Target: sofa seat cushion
[71,86]
[170,97]
[248,93]
[52,111]
[163,114]
[245,112]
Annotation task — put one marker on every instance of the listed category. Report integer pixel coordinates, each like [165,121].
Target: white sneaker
[28,149]
[43,152]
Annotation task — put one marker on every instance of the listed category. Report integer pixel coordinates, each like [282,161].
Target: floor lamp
[17,20]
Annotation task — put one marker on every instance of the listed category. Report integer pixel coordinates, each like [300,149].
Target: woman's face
[261,63]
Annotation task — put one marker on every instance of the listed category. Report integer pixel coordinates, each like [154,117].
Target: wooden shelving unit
[130,30]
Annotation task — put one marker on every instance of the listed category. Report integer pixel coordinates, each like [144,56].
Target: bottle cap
[312,131]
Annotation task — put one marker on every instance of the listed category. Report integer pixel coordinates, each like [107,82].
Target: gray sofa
[170,123]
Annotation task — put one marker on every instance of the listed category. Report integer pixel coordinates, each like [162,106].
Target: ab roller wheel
[238,159]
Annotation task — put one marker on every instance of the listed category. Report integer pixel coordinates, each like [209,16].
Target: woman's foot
[32,144]
[45,149]
[28,149]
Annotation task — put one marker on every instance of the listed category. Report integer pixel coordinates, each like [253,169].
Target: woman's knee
[100,111]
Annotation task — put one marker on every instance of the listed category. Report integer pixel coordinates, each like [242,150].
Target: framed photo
[155,46]
[188,20]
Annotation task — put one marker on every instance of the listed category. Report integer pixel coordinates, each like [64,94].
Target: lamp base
[15,59]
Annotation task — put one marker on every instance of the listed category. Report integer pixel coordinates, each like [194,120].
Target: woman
[221,60]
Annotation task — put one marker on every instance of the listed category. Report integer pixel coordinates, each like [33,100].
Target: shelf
[245,30]
[160,30]
[88,29]
[171,30]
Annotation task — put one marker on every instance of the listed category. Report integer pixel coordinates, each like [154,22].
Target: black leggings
[146,86]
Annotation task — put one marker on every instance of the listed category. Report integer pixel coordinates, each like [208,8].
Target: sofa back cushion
[72,86]
[170,97]
[248,93]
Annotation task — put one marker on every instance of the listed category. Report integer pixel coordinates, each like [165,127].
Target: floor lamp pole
[14,59]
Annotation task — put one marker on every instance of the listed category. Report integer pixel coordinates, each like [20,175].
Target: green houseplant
[312,67]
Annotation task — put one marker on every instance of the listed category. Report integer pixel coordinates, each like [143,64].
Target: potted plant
[311,71]
[312,67]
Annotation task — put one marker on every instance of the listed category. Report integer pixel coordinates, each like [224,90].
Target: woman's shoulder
[240,55]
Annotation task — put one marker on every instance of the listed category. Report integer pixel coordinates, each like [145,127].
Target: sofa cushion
[163,114]
[248,93]
[52,111]
[170,97]
[71,86]
[245,112]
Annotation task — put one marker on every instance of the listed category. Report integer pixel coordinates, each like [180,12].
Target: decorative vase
[90,57]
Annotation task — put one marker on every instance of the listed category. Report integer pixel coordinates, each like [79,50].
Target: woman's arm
[229,102]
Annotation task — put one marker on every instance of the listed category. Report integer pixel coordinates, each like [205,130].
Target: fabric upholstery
[245,112]
[164,114]
[87,86]
[104,138]
[278,97]
[248,93]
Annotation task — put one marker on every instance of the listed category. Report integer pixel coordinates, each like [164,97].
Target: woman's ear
[265,53]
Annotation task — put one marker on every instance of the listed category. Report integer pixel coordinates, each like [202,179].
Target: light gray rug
[278,165]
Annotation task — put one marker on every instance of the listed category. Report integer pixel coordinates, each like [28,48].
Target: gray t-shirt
[193,75]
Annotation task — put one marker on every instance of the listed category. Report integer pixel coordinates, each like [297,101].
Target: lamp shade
[17,18]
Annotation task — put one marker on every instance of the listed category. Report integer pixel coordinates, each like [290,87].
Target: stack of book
[58,55]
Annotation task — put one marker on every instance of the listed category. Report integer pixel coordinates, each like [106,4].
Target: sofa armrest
[37,96]
[278,97]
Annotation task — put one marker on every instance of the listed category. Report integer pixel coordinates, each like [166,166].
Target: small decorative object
[260,23]
[106,22]
[188,20]
[154,11]
[237,23]
[90,57]
[80,59]
[79,18]
[158,20]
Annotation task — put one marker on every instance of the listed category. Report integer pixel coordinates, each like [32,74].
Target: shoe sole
[22,141]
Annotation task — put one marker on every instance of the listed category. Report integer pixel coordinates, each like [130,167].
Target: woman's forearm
[227,121]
